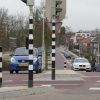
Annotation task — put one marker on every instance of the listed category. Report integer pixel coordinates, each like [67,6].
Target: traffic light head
[28,2]
[56,8]
[57,4]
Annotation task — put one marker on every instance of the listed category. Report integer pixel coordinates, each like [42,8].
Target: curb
[26,91]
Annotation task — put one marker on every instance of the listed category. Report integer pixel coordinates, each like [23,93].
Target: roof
[85,40]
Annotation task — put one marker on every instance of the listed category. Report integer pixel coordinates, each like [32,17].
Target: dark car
[97,67]
[67,54]
[19,60]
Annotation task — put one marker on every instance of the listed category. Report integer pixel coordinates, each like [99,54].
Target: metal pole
[43,39]
[30,67]
[53,47]
[79,47]
[0,66]
[98,47]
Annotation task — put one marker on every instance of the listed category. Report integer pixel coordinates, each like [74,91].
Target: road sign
[58,26]
[49,6]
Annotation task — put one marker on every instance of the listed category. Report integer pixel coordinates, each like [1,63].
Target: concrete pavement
[61,75]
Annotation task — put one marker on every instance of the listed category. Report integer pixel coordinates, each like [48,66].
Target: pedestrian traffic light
[58,8]
[28,2]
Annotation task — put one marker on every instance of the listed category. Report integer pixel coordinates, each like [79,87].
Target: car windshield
[81,60]
[23,52]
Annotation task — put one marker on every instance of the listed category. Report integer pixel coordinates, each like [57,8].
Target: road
[89,89]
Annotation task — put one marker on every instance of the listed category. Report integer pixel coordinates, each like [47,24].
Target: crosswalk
[96,86]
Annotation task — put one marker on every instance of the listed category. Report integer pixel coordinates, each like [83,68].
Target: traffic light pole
[53,46]
[30,48]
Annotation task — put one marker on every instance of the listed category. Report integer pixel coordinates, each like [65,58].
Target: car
[81,63]
[67,54]
[97,67]
[76,50]
[19,60]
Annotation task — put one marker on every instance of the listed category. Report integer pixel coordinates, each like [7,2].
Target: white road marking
[12,85]
[96,84]
[8,81]
[47,85]
[57,84]
[94,88]
[24,80]
[98,81]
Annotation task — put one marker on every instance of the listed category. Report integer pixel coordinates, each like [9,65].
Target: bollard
[64,64]
[0,66]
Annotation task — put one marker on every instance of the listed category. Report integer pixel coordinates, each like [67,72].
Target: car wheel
[40,70]
[37,71]
[11,71]
[88,70]
[17,71]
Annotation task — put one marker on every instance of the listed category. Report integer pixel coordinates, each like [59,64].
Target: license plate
[23,65]
[82,68]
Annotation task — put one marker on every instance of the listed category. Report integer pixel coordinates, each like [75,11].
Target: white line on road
[8,81]
[12,85]
[96,84]
[98,81]
[47,85]
[58,84]
[94,88]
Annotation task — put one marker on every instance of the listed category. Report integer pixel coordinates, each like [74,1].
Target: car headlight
[34,59]
[13,60]
[75,65]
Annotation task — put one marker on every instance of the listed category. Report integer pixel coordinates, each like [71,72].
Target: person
[93,65]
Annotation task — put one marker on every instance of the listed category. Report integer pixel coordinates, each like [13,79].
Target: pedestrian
[93,65]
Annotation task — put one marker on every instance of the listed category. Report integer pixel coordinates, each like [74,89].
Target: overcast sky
[81,14]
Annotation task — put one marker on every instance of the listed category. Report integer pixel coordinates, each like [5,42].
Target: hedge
[5,65]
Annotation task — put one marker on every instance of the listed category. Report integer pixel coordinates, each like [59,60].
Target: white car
[81,64]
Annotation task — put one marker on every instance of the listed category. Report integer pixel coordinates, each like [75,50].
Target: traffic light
[28,2]
[57,4]
[56,8]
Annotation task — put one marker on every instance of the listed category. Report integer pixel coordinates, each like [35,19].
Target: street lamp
[98,45]
[43,49]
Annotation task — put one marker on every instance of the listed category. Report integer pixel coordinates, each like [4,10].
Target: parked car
[81,64]
[19,60]
[67,54]
[76,50]
[97,67]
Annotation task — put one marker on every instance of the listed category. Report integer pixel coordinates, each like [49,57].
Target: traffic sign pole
[0,66]
[53,46]
[30,48]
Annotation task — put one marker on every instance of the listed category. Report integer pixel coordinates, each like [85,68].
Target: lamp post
[98,45]
[43,49]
